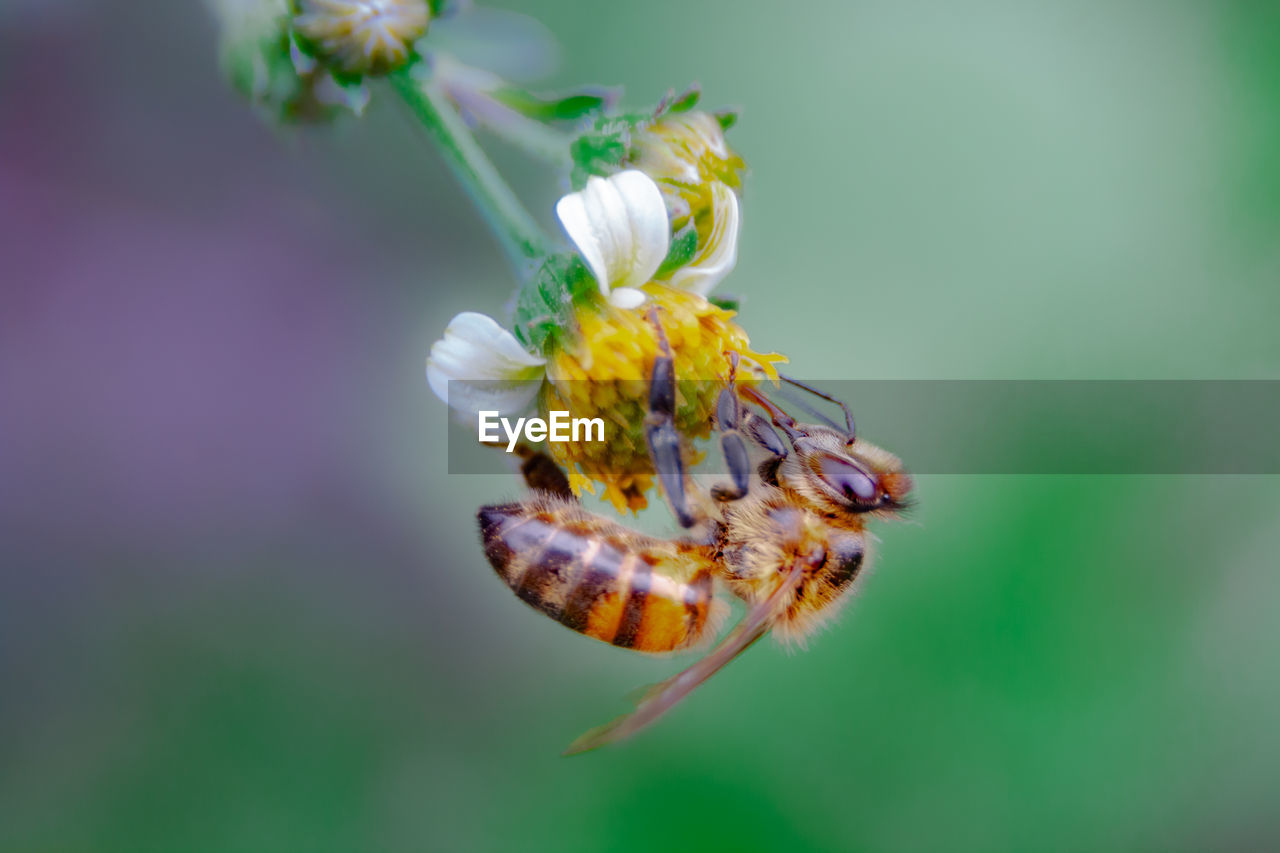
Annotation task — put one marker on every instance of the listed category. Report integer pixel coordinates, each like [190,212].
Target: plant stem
[516,230]
[472,89]
[532,137]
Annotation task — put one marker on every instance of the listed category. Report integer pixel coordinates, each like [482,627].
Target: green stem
[532,137]
[519,234]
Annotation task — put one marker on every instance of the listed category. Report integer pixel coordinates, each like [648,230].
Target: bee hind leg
[542,474]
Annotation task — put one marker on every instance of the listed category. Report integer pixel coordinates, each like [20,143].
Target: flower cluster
[652,221]
[655,224]
[305,60]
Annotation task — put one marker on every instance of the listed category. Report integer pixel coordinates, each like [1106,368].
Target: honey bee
[789,541]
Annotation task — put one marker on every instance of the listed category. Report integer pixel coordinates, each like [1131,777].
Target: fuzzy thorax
[766,535]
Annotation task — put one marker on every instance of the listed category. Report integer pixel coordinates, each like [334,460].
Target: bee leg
[542,474]
[736,426]
[780,419]
[733,445]
[660,429]
[758,430]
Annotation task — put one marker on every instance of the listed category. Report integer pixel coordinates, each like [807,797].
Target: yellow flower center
[604,371]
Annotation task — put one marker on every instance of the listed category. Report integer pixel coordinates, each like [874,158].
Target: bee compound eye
[848,478]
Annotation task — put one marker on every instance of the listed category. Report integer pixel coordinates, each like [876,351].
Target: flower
[699,175]
[361,36]
[717,251]
[480,365]
[261,60]
[603,371]
[600,364]
[686,148]
[620,226]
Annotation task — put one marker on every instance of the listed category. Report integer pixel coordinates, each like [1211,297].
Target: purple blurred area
[211,348]
[165,365]
[215,435]
[196,310]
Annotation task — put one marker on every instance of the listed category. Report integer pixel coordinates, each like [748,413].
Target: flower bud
[686,153]
[261,62]
[686,148]
[357,37]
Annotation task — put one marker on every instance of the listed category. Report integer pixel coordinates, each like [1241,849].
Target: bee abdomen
[584,573]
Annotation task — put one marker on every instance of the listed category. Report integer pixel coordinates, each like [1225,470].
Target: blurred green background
[242,605]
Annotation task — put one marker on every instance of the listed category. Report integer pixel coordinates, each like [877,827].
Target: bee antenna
[848,416]
[780,419]
[809,410]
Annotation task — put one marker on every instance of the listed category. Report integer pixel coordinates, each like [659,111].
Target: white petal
[620,226]
[716,259]
[480,365]
[627,297]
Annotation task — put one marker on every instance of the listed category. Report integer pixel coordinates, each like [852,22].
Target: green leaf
[727,118]
[544,305]
[681,103]
[569,107]
[605,147]
[728,303]
[683,248]
[599,151]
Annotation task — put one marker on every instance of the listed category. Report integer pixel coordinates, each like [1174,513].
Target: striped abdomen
[594,576]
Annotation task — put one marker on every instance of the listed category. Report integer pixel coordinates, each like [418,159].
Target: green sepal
[682,103]
[571,107]
[599,151]
[727,303]
[727,118]
[602,149]
[683,247]
[544,304]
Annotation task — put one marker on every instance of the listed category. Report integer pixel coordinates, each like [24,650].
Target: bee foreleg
[736,426]
[660,430]
[758,430]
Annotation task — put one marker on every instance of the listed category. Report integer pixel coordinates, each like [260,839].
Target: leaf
[681,103]
[605,147]
[599,151]
[544,305]
[568,107]
[726,302]
[683,248]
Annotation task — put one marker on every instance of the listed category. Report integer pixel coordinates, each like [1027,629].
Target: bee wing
[663,696]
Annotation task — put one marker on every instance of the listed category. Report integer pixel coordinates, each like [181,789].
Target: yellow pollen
[604,371]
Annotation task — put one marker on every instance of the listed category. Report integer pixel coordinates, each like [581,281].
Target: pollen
[362,36]
[604,372]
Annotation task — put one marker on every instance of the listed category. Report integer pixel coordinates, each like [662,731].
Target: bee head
[831,468]
[847,475]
